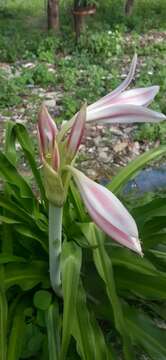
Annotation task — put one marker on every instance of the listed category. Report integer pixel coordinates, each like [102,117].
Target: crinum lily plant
[58,150]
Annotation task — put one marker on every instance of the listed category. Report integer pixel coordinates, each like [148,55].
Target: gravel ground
[105,148]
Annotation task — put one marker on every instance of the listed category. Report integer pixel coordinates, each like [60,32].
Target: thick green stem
[55,244]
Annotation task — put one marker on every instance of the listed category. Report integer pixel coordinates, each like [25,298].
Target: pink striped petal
[77,132]
[139,96]
[109,97]
[124,114]
[107,211]
[55,160]
[47,131]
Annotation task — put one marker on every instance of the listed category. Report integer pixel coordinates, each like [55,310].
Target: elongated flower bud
[50,156]
[108,212]
[76,133]
[47,131]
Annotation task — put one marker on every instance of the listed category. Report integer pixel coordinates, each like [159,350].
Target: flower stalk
[55,246]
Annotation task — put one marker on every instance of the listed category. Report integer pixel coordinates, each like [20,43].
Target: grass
[90,69]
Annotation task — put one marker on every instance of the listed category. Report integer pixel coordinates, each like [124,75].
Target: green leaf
[11,175]
[53,331]
[128,171]
[82,330]
[27,146]
[159,254]
[155,208]
[26,275]
[26,232]
[87,333]
[32,341]
[6,258]
[42,299]
[71,265]
[8,220]
[10,148]
[151,240]
[158,309]
[102,350]
[78,205]
[17,333]
[144,286]
[15,209]
[145,333]
[3,316]
[124,257]
[104,267]
[33,221]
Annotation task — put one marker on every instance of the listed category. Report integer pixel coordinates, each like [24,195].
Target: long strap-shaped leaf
[53,331]
[82,330]
[3,317]
[26,275]
[17,333]
[11,175]
[10,142]
[71,266]
[104,267]
[146,334]
[90,340]
[128,171]
[17,132]
[27,146]
[102,350]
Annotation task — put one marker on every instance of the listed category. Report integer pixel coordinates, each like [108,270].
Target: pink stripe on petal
[77,131]
[115,233]
[109,97]
[47,130]
[55,157]
[124,114]
[107,211]
[140,96]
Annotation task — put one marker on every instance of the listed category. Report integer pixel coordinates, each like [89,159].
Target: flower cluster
[58,150]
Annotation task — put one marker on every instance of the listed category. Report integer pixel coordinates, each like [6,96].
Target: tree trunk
[79,23]
[53,14]
[129,7]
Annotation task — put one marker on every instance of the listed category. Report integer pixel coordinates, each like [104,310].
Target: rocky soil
[105,148]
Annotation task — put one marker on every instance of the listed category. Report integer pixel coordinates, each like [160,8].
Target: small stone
[6,69]
[92,150]
[103,156]
[135,148]
[82,148]
[50,103]
[120,146]
[116,131]
[97,140]
[92,173]
[105,149]
[28,65]
[53,95]
[38,91]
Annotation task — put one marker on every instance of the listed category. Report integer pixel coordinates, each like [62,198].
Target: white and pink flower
[125,106]
[120,106]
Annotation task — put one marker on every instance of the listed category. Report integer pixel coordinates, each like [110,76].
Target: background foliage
[29,308]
